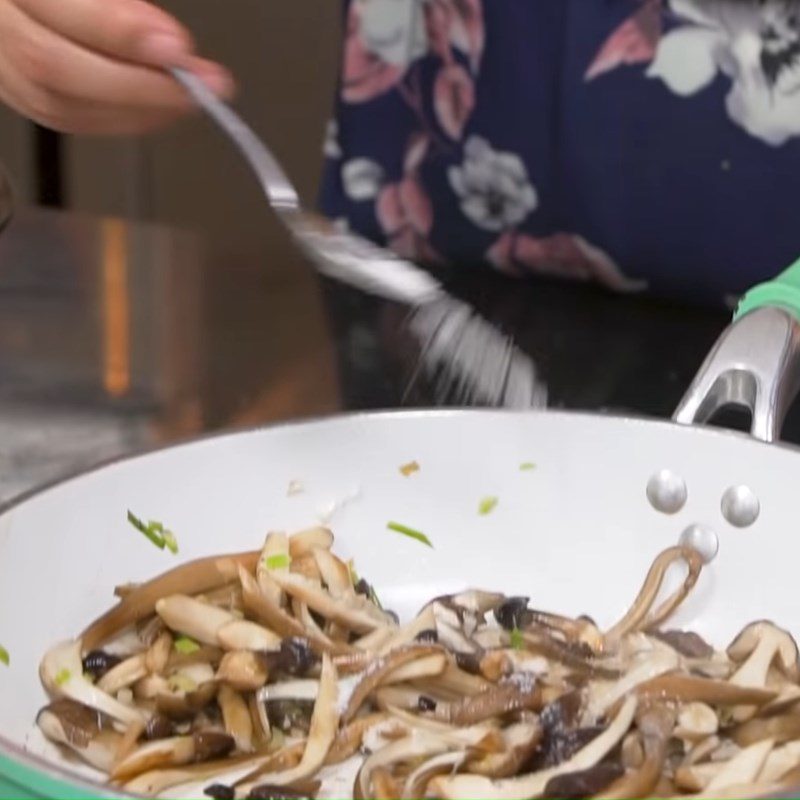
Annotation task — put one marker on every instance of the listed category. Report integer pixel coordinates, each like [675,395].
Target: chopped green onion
[171,542]
[153,535]
[155,532]
[517,639]
[185,646]
[4,657]
[63,677]
[487,505]
[279,561]
[528,466]
[410,532]
[181,683]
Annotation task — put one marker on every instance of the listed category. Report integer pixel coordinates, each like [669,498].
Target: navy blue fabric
[670,187]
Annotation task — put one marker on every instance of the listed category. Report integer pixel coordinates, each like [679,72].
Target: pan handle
[755,363]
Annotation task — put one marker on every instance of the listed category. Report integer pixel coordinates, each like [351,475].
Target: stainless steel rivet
[667,492]
[703,539]
[740,506]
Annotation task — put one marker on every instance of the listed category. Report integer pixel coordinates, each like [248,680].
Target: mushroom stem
[236,716]
[380,670]
[192,578]
[655,725]
[691,689]
[321,735]
[474,787]
[639,616]
[262,608]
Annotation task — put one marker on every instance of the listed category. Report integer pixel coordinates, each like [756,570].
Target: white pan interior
[576,534]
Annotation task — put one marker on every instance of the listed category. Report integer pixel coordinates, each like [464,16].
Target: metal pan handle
[755,363]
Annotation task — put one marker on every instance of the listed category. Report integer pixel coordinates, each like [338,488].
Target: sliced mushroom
[241,634]
[350,737]
[192,578]
[424,621]
[335,573]
[82,731]
[180,704]
[417,745]
[236,716]
[646,666]
[686,643]
[321,735]
[640,616]
[380,670]
[585,783]
[760,645]
[243,670]
[61,673]
[355,612]
[577,657]
[691,689]
[520,740]
[125,674]
[265,611]
[154,782]
[304,542]
[475,787]
[173,752]
[780,728]
[194,618]
[206,654]
[518,693]
[696,721]
[157,656]
[442,764]
[743,768]
[655,726]
[275,551]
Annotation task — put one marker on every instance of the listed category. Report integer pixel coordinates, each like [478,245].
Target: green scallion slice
[4,656]
[63,677]
[279,561]
[148,530]
[410,532]
[517,639]
[527,466]
[185,646]
[487,505]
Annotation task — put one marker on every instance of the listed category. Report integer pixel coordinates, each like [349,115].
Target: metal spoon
[471,360]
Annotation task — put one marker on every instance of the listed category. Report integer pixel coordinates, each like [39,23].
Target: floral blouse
[636,143]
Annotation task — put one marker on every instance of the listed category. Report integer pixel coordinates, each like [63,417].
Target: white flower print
[754,43]
[362,179]
[494,188]
[394,30]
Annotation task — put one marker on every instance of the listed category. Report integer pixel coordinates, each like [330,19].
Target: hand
[96,66]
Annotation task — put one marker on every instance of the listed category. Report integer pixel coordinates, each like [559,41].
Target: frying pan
[576,534]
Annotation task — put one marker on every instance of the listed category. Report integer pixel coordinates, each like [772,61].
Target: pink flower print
[453,99]
[405,214]
[563,255]
[633,42]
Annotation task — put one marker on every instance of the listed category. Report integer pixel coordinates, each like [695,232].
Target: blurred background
[147,279]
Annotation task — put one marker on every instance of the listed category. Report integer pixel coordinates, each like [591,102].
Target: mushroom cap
[788,656]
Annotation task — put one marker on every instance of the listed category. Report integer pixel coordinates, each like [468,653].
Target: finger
[130,30]
[60,65]
[75,116]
